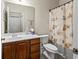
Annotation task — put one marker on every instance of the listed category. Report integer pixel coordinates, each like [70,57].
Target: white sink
[28,35]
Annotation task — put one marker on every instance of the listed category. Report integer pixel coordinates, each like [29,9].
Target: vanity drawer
[23,41]
[35,41]
[35,48]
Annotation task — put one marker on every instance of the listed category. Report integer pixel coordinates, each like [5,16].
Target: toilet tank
[44,40]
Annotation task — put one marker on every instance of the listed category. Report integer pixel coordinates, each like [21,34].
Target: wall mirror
[18,18]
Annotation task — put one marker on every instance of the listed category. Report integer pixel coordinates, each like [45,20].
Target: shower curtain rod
[60,5]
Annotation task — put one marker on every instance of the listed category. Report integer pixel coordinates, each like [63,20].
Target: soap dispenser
[32,31]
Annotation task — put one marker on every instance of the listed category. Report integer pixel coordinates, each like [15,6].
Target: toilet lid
[50,47]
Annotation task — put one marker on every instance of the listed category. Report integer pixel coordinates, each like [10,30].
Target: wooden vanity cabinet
[27,49]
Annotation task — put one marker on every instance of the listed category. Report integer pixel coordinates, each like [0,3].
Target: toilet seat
[51,48]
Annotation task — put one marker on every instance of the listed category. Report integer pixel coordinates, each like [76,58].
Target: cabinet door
[22,50]
[8,51]
[35,48]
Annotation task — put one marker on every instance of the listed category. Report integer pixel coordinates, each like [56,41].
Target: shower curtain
[60,25]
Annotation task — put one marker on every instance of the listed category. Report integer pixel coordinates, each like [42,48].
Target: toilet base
[52,55]
[48,55]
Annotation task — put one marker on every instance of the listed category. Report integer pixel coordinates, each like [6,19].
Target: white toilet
[49,50]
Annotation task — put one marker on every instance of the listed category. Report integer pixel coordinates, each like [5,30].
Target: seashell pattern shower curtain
[60,25]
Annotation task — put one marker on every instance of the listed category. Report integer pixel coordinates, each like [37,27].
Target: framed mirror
[18,18]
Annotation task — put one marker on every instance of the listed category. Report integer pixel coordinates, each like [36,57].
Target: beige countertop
[22,37]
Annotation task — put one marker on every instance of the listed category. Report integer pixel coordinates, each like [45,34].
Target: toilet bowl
[50,50]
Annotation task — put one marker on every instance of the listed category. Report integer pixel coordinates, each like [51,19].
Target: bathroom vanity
[24,49]
[21,48]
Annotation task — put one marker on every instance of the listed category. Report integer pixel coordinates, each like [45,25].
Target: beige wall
[63,1]
[75,21]
[41,12]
